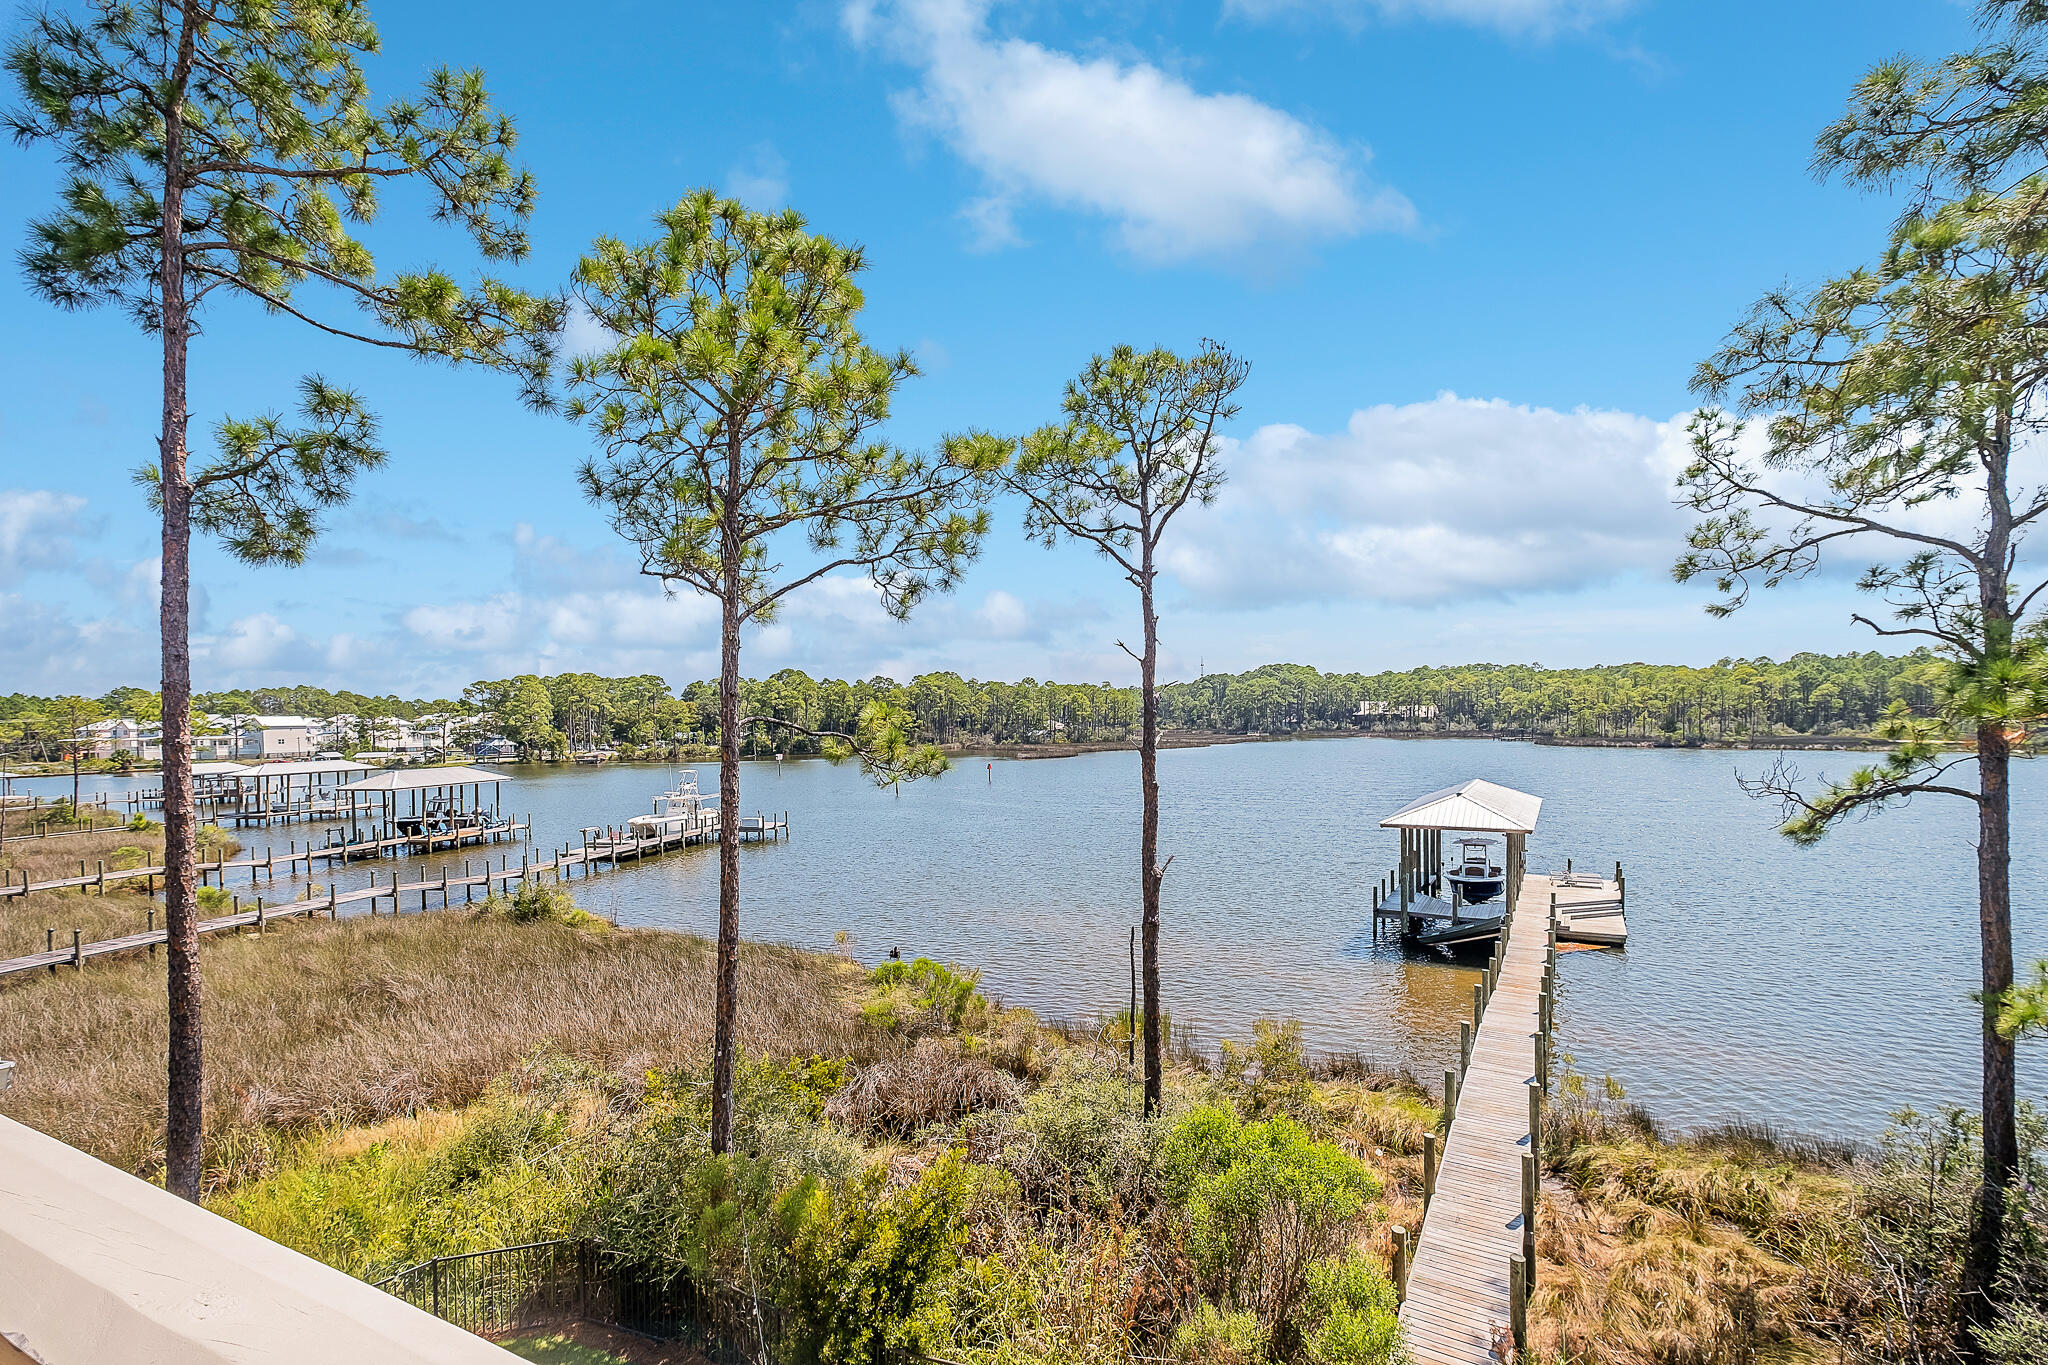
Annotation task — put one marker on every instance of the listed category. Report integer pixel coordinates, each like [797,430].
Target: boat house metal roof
[304,767]
[423,779]
[1479,805]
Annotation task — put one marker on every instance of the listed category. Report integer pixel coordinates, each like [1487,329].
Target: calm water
[1818,988]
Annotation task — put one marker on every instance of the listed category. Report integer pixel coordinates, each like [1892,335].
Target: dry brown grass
[1707,1250]
[933,1082]
[357,1020]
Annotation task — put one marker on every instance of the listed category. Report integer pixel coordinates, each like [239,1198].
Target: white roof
[217,769]
[1475,805]
[304,767]
[273,722]
[421,779]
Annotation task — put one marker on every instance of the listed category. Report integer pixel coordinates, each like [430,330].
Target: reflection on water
[1820,988]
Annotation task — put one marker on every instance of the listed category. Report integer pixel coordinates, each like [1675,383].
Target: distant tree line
[1807,694]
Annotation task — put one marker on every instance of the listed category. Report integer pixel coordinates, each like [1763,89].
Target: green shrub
[536,903]
[1210,1336]
[127,856]
[862,1262]
[212,843]
[1272,1075]
[1259,1203]
[1080,1142]
[214,897]
[921,996]
[142,824]
[1351,1309]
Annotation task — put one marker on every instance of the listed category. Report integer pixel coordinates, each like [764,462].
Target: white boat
[677,811]
[1474,873]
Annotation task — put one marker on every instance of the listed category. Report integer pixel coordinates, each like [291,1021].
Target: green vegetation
[1807,694]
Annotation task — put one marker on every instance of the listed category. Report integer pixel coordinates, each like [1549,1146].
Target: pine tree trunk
[184,1130]
[722,1040]
[1148,843]
[1994,928]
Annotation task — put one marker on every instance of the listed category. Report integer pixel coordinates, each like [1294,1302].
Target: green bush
[862,1262]
[1210,1336]
[536,903]
[1080,1142]
[1259,1203]
[127,857]
[142,824]
[214,897]
[1272,1075]
[211,843]
[922,995]
[1351,1305]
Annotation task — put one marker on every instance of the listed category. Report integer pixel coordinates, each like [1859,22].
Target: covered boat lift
[1417,885]
[305,789]
[442,806]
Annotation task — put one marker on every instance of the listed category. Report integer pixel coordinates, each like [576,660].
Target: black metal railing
[495,1293]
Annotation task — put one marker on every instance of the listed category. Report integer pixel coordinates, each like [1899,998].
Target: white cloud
[761,181]
[1434,502]
[39,529]
[1510,16]
[1180,173]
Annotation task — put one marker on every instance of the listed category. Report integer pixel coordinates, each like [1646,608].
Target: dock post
[333,904]
[103,876]
[1518,1302]
[77,952]
[1478,1004]
[1530,1189]
[1400,1264]
[1428,1168]
[259,915]
[151,924]
[1450,1101]
[1620,885]
[50,946]
[1535,1117]
[1464,1045]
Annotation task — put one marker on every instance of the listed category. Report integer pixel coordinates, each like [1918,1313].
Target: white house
[279,736]
[120,735]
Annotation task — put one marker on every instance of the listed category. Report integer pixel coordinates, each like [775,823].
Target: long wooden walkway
[266,867]
[1461,1301]
[330,904]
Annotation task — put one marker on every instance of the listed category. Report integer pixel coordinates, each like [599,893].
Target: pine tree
[218,149]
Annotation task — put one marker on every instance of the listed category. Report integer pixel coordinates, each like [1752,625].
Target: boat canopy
[423,779]
[1478,805]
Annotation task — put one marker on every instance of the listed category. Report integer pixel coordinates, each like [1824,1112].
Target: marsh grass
[329,1023]
[1713,1248]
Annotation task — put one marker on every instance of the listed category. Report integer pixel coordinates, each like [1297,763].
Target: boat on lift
[677,811]
[1474,872]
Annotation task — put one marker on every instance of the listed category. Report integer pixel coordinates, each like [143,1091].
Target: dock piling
[1400,1263]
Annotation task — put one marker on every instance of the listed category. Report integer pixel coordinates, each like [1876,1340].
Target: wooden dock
[265,868]
[331,904]
[613,848]
[1467,1280]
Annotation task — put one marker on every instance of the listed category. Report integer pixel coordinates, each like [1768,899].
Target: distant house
[1368,710]
[280,737]
[120,735]
[499,748]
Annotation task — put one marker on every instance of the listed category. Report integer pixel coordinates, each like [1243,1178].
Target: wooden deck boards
[1457,1302]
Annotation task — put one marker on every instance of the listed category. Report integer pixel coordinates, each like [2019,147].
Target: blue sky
[1473,249]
